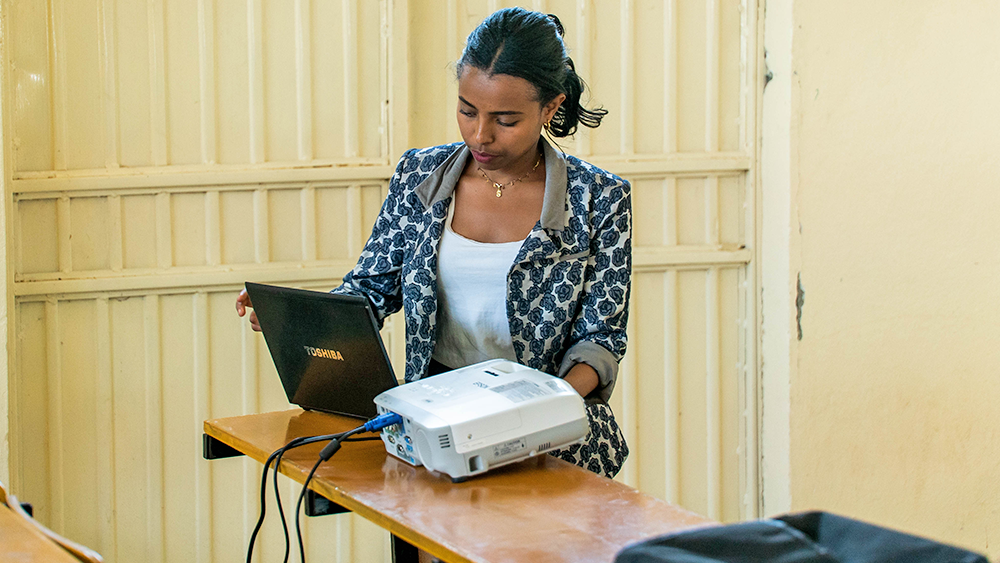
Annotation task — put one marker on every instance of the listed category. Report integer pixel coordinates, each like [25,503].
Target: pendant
[499,187]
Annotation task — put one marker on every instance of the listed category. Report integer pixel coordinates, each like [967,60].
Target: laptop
[326,348]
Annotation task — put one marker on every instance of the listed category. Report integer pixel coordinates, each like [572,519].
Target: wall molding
[125,180]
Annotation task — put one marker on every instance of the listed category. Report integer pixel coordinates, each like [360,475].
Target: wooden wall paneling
[626,81]
[284,224]
[276,48]
[715,420]
[651,89]
[188,100]
[166,152]
[33,87]
[692,418]
[34,433]
[56,423]
[330,214]
[237,226]
[158,131]
[329,130]
[152,423]
[307,220]
[187,229]
[82,458]
[348,34]
[732,75]
[604,74]
[126,351]
[303,80]
[88,234]
[36,225]
[692,91]
[730,403]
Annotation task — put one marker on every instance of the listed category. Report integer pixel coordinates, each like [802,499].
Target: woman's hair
[529,45]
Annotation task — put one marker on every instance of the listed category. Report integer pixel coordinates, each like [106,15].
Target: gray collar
[441,182]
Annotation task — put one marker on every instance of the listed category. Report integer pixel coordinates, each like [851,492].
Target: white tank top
[472,299]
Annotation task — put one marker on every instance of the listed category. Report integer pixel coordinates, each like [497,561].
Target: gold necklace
[500,186]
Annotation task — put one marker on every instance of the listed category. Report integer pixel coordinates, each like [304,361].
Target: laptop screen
[326,348]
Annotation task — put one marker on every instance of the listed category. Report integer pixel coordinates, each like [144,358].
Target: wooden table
[539,510]
[20,541]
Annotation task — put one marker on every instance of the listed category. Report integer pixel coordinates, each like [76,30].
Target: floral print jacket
[567,291]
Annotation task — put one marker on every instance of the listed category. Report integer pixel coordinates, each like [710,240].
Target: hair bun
[559,26]
[520,43]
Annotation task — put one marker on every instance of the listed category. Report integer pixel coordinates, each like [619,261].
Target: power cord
[374,425]
[276,455]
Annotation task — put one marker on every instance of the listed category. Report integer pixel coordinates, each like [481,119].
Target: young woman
[502,246]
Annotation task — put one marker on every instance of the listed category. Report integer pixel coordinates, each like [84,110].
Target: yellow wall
[160,152]
[894,198]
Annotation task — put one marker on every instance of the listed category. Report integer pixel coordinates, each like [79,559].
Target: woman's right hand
[242,304]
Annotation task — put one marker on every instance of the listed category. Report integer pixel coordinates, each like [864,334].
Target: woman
[501,246]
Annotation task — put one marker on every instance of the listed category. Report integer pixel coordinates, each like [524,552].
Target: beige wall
[160,152]
[893,145]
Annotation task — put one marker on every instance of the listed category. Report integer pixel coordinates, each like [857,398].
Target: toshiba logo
[323,353]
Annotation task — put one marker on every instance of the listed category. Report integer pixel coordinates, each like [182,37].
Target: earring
[548,125]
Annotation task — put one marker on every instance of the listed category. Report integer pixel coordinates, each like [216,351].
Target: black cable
[373,425]
[281,511]
[263,491]
[301,441]
[324,455]
[302,495]
[277,493]
[275,457]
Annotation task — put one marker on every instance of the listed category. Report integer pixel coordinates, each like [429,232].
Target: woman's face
[500,119]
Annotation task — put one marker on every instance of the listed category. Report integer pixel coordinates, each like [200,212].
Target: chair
[78,551]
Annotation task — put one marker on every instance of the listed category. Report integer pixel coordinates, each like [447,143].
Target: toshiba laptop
[326,348]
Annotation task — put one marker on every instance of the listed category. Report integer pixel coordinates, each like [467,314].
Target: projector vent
[445,441]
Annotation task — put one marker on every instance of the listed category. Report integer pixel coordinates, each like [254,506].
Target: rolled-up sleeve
[598,332]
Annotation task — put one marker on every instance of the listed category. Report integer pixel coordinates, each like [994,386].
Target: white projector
[470,420]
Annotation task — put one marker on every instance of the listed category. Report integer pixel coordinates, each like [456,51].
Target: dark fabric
[852,541]
[810,537]
[436,367]
[603,450]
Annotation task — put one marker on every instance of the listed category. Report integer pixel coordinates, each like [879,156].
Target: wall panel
[121,405]
[107,233]
[32,97]
[164,152]
[687,449]
[142,84]
[187,61]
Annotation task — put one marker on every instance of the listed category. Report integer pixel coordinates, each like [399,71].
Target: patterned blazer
[567,291]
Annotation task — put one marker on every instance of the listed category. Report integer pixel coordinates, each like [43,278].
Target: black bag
[809,537]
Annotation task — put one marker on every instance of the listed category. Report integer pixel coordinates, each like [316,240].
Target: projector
[470,420]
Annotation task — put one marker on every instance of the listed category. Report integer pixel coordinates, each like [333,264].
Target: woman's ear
[549,110]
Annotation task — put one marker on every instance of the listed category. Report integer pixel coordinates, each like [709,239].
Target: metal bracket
[212,448]
[319,505]
[403,551]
